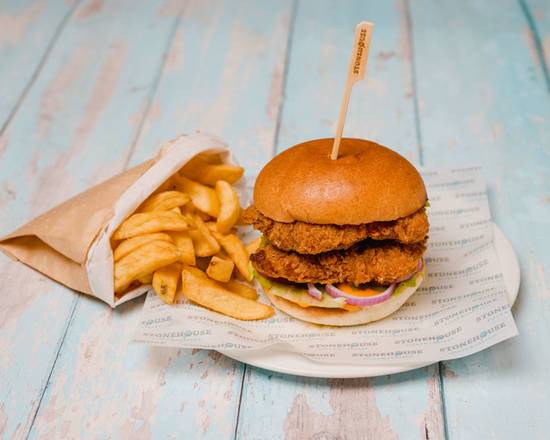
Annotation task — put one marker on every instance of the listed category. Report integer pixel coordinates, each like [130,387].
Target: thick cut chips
[131,244]
[203,197]
[144,260]
[204,242]
[205,292]
[237,252]
[146,279]
[178,225]
[229,207]
[241,289]
[149,222]
[164,201]
[184,243]
[220,269]
[203,170]
[165,282]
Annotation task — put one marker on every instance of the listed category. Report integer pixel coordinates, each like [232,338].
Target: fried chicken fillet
[381,263]
[377,252]
[308,238]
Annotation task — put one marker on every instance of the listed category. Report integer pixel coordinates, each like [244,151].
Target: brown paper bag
[57,243]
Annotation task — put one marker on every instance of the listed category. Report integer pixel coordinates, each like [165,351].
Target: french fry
[184,243]
[164,201]
[205,217]
[211,226]
[146,279]
[204,242]
[219,269]
[229,206]
[212,158]
[131,244]
[203,197]
[165,282]
[241,289]
[208,293]
[223,255]
[144,260]
[202,158]
[204,171]
[237,252]
[253,245]
[149,222]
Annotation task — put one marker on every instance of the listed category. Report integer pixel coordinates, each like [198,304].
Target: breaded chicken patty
[307,238]
[382,263]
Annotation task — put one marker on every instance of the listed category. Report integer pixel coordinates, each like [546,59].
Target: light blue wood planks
[483,99]
[28,30]
[381,107]
[223,73]
[226,79]
[407,405]
[70,132]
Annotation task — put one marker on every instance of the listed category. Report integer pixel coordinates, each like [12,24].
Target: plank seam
[154,86]
[245,368]
[58,31]
[535,35]
[440,371]
[416,107]
[419,142]
[288,49]
[57,353]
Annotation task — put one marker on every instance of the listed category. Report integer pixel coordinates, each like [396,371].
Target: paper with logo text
[461,308]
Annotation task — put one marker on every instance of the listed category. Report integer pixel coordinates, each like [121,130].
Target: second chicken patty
[379,262]
[308,238]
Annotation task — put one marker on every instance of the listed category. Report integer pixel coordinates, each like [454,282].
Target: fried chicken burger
[342,239]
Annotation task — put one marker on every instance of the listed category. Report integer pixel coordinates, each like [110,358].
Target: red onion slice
[314,292]
[361,301]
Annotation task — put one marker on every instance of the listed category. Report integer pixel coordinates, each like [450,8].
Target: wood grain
[220,68]
[28,31]
[407,405]
[483,98]
[66,135]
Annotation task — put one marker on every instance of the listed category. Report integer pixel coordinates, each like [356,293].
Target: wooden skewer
[356,72]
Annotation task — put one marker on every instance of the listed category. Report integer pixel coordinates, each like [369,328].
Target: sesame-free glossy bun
[367,183]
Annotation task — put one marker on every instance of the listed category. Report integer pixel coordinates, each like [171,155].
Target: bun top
[367,183]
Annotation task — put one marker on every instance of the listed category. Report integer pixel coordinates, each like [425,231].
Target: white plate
[283,361]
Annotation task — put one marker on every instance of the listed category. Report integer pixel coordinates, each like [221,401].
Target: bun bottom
[344,318]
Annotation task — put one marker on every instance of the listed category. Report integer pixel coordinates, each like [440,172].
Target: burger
[343,239]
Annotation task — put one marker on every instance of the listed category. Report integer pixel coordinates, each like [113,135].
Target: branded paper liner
[460,308]
[70,243]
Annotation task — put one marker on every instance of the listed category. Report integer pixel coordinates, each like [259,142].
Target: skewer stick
[356,72]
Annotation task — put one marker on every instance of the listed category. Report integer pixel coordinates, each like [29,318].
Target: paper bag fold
[56,243]
[71,242]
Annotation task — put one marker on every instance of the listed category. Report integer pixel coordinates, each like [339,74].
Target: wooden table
[88,88]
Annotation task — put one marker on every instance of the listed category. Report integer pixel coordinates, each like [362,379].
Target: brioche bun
[367,183]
